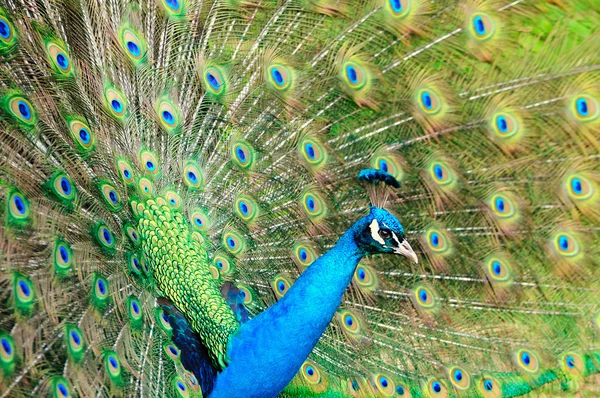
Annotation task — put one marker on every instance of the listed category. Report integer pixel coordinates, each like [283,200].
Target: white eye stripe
[374,226]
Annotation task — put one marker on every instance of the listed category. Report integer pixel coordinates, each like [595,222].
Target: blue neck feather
[267,352]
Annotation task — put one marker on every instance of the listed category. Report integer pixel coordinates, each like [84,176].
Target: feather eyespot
[180,388]
[459,377]
[399,8]
[234,242]
[280,77]
[22,110]
[527,360]
[482,26]
[7,33]
[115,102]
[192,176]
[63,258]
[243,155]
[355,75]
[436,388]
[18,208]
[585,108]
[60,387]
[246,208]
[280,285]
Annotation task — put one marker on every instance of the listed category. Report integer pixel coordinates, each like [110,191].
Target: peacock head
[381,232]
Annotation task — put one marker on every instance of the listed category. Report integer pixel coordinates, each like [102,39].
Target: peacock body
[182,215]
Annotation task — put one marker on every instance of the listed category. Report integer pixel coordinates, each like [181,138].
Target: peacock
[299,198]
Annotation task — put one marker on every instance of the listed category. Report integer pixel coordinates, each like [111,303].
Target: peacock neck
[290,328]
[320,288]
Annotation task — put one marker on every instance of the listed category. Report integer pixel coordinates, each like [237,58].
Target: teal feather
[205,154]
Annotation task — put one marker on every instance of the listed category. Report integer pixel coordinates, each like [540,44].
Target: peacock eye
[385,233]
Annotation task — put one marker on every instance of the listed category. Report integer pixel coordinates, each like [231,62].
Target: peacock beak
[407,251]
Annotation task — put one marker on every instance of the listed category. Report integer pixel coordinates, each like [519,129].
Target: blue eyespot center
[435,239]
[24,288]
[101,286]
[181,386]
[423,295]
[458,375]
[63,390]
[112,196]
[437,387]
[426,100]
[6,347]
[220,264]
[106,235]
[135,307]
[479,26]
[277,77]
[244,208]
[570,361]
[19,204]
[526,358]
[496,268]
[383,166]
[136,263]
[400,390]
[582,107]
[174,4]
[563,242]
[438,171]
[113,362]
[355,386]
[231,242]
[64,254]
[75,337]
[281,286]
[361,274]
[198,221]
[192,177]
[62,61]
[303,255]
[576,186]
[310,151]
[383,381]
[499,204]
[173,350]
[502,124]
[4,29]
[212,80]
[351,73]
[488,385]
[310,202]
[150,165]
[349,321]
[84,135]
[116,105]
[241,154]
[168,117]
[65,185]
[396,5]
[24,110]
[127,173]
[310,371]
[133,48]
